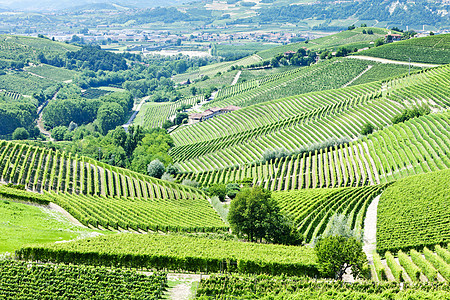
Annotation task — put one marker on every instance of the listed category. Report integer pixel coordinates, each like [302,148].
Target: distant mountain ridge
[52,5]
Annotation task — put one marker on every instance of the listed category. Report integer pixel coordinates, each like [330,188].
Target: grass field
[22,224]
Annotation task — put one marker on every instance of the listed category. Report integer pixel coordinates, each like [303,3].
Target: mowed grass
[22,224]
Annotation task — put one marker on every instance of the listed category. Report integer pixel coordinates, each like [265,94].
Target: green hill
[432,49]
[350,39]
[100,195]
[299,122]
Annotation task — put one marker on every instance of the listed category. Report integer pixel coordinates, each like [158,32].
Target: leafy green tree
[155,168]
[379,42]
[109,116]
[219,190]
[20,134]
[180,117]
[167,124]
[59,132]
[337,254]
[155,145]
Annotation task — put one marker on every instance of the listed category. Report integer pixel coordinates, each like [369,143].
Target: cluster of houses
[210,113]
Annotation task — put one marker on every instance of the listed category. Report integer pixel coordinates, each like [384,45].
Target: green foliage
[219,190]
[254,215]
[367,129]
[117,283]
[337,254]
[155,168]
[425,266]
[411,113]
[109,116]
[20,133]
[410,268]
[239,286]
[59,132]
[18,194]
[175,252]
[398,226]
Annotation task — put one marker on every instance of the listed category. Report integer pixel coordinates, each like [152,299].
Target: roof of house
[195,116]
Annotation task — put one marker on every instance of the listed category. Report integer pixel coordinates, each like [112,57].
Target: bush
[367,129]
[167,177]
[20,134]
[191,183]
[59,132]
[233,189]
[411,113]
[219,190]
[155,168]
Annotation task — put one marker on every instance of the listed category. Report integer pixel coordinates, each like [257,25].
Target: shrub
[20,134]
[219,190]
[367,129]
[155,168]
[191,183]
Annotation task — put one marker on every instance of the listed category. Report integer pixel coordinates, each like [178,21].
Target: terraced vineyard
[417,146]
[433,49]
[322,76]
[101,195]
[53,73]
[24,83]
[165,214]
[414,213]
[425,266]
[21,280]
[238,286]
[176,252]
[298,122]
[13,47]
[153,115]
[312,210]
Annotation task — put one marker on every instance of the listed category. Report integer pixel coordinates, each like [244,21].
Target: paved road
[136,110]
[40,124]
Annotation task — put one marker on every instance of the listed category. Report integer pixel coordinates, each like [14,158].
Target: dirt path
[361,74]
[370,229]
[58,208]
[236,78]
[388,61]
[183,285]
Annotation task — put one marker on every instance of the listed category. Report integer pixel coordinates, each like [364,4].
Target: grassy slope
[415,212]
[22,224]
[351,39]
[432,49]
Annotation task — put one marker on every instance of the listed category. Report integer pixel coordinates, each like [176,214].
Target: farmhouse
[392,37]
[210,113]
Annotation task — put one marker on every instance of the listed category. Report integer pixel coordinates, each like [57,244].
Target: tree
[337,254]
[431,33]
[155,168]
[179,118]
[20,134]
[219,190]
[379,42]
[193,90]
[59,132]
[254,215]
[367,129]
[109,116]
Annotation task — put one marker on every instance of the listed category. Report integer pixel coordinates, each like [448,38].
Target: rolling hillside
[243,136]
[101,195]
[432,49]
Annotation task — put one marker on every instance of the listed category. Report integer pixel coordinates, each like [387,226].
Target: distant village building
[210,113]
[392,37]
